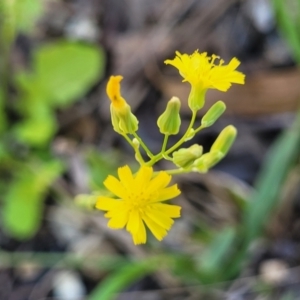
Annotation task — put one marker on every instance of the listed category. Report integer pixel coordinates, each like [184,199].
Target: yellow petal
[222,77]
[140,236]
[158,231]
[118,221]
[200,70]
[167,193]
[115,186]
[172,211]
[106,203]
[159,218]
[143,177]
[117,210]
[126,177]
[159,182]
[233,64]
[133,222]
[113,90]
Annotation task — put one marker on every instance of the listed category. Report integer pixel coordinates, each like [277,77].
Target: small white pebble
[67,285]
[274,271]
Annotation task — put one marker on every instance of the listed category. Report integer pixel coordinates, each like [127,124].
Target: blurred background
[238,237]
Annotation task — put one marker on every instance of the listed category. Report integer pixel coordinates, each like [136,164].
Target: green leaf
[66,70]
[288,24]
[100,166]
[26,13]
[3,120]
[115,283]
[38,129]
[211,261]
[23,203]
[62,73]
[288,296]
[280,159]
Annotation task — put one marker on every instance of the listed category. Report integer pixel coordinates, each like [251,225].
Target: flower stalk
[138,199]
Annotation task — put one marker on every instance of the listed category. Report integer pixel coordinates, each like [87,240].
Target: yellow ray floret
[113,90]
[123,120]
[200,70]
[139,203]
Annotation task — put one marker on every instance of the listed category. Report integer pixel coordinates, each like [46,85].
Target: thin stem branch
[165,142]
[175,146]
[138,155]
[149,153]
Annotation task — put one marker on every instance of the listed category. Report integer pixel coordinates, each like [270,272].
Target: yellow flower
[123,120]
[139,203]
[200,70]
[113,90]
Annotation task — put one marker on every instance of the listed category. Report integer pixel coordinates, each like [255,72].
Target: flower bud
[86,201]
[196,98]
[224,140]
[185,157]
[136,144]
[113,90]
[207,160]
[213,114]
[123,120]
[169,122]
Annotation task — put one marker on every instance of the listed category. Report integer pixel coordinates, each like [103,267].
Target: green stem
[7,35]
[182,140]
[199,129]
[57,260]
[160,155]
[164,146]
[149,153]
[138,155]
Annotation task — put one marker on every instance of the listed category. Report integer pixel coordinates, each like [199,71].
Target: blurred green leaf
[7,25]
[38,129]
[2,113]
[26,13]
[288,16]
[119,280]
[184,267]
[270,181]
[62,72]
[100,166]
[22,209]
[211,261]
[288,296]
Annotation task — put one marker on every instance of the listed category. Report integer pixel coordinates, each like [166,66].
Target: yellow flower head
[201,71]
[139,203]
[113,90]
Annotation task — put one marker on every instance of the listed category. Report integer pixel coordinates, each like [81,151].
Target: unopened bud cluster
[190,159]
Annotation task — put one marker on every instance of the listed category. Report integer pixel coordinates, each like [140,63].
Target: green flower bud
[169,122]
[136,144]
[213,114]
[185,157]
[207,160]
[86,201]
[123,120]
[196,98]
[224,140]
